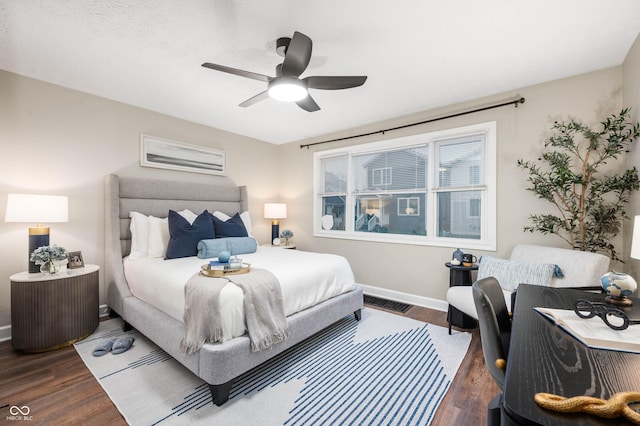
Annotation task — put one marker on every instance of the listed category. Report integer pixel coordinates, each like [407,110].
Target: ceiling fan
[286,85]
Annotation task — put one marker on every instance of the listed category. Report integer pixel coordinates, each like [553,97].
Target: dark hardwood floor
[60,390]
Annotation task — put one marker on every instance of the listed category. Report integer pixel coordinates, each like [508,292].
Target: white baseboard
[104,311]
[412,299]
[5,333]
[5,330]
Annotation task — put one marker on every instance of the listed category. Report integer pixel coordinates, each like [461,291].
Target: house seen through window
[434,189]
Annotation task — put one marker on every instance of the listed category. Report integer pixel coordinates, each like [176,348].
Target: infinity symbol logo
[15,410]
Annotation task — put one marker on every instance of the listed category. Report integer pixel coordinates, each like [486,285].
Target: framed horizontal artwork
[167,154]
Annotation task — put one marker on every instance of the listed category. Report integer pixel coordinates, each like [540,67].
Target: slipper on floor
[104,347]
[122,345]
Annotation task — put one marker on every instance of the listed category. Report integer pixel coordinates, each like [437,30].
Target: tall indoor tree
[570,174]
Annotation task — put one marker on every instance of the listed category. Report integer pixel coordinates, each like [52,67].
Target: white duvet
[305,279]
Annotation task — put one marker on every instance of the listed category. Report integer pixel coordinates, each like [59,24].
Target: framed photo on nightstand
[75,260]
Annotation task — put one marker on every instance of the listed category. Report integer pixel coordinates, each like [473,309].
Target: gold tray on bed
[215,273]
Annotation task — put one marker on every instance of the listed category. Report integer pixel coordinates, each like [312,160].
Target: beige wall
[60,141]
[631,98]
[420,270]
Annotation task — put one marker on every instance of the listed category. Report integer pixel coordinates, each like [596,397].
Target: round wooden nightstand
[52,311]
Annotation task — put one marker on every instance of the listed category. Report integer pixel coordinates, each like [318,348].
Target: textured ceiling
[418,54]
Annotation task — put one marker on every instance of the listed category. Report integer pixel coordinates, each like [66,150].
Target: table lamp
[275,211]
[635,239]
[37,209]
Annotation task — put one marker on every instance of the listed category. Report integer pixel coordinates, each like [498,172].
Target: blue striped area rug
[382,370]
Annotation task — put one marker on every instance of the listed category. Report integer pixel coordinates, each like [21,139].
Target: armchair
[578,269]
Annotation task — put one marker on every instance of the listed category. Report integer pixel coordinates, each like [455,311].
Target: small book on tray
[214,264]
[593,332]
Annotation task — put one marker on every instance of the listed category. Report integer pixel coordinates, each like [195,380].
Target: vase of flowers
[48,257]
[285,235]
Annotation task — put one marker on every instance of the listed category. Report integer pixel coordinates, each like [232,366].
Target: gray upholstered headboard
[154,197]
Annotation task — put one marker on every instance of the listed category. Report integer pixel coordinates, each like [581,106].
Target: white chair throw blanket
[263,309]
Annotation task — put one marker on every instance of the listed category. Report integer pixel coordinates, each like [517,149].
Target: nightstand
[52,311]
[281,246]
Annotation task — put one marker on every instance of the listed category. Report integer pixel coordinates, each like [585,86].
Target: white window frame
[488,188]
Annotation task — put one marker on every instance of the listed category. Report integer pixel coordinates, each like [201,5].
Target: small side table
[460,275]
[52,311]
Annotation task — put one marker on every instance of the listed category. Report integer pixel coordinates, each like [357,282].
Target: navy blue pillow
[184,237]
[232,227]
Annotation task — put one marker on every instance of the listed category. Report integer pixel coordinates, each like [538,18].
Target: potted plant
[590,201]
[285,235]
[48,257]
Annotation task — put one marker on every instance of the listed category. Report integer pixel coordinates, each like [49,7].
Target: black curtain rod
[513,102]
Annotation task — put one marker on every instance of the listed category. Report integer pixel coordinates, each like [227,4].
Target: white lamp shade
[37,208]
[275,211]
[635,239]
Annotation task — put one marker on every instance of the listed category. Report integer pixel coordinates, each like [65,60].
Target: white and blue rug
[382,370]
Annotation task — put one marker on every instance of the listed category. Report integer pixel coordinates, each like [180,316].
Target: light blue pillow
[211,248]
[241,245]
[235,245]
[510,273]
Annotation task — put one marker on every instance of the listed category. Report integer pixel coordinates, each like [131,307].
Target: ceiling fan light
[287,89]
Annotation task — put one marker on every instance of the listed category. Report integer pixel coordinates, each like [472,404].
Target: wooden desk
[544,358]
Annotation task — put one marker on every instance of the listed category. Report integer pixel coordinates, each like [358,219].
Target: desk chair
[495,333]
[495,325]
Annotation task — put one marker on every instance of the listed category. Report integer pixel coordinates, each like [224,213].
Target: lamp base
[275,230]
[38,237]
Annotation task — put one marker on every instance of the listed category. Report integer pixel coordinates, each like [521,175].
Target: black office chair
[495,326]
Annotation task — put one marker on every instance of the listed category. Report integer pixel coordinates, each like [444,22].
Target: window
[432,189]
[408,206]
[459,185]
[334,190]
[381,176]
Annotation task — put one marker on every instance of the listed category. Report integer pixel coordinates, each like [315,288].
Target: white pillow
[159,232]
[189,215]
[158,236]
[139,235]
[246,219]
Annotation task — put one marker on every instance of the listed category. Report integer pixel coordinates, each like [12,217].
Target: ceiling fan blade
[235,71]
[308,104]
[298,55]
[335,82]
[255,99]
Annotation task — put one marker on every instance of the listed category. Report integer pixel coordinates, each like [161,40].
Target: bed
[218,364]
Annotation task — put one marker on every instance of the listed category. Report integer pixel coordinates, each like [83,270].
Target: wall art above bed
[167,154]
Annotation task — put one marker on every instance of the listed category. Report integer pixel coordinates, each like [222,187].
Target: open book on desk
[593,332]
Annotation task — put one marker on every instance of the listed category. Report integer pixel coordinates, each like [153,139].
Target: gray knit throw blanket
[263,308]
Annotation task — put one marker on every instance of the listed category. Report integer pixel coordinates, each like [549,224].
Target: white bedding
[305,278]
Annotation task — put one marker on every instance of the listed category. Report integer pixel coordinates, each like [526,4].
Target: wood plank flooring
[60,390]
